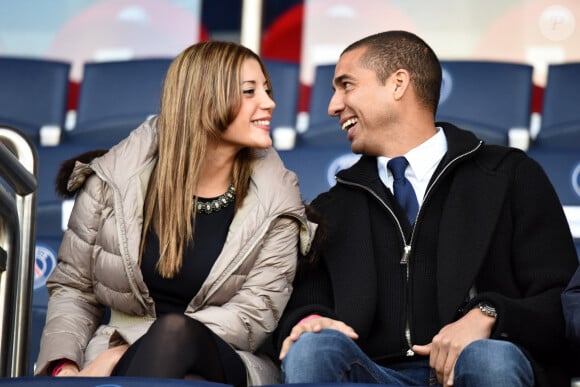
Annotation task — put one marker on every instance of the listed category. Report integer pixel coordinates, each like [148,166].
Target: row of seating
[486,97]
[114,97]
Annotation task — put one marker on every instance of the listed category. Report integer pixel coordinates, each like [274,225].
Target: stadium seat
[285,77]
[115,98]
[33,93]
[560,125]
[563,169]
[486,97]
[322,128]
[320,95]
[316,166]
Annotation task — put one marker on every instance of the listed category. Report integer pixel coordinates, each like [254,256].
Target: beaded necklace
[214,205]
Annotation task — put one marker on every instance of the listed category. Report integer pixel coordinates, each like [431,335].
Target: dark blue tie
[403,190]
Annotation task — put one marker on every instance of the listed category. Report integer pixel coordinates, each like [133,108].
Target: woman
[187,231]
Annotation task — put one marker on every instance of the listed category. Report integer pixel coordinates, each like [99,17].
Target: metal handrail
[10,242]
[19,168]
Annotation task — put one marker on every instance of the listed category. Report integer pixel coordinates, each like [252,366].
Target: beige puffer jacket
[248,286]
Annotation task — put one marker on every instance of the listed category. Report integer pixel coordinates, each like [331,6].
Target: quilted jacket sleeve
[73,312]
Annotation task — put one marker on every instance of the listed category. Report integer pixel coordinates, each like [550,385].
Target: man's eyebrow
[341,78]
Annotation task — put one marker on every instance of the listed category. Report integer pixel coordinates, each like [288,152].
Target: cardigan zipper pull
[406,253]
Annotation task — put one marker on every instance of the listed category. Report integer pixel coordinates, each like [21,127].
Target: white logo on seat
[44,264]
[341,162]
[446,85]
[575,179]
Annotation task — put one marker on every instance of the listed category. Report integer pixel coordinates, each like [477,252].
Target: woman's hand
[68,369]
[315,324]
[104,363]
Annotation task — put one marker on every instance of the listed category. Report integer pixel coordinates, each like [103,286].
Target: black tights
[177,346]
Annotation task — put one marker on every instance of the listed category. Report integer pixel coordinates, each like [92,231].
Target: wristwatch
[487,309]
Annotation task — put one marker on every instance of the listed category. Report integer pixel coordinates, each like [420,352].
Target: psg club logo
[576,179]
[338,164]
[446,86]
[44,264]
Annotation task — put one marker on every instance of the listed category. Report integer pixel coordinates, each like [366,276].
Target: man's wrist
[487,309]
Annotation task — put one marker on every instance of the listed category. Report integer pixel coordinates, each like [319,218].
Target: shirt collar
[424,159]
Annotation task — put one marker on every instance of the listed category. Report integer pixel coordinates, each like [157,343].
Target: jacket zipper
[120,215]
[407,248]
[236,263]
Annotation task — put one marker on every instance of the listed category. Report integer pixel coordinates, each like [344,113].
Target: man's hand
[446,346]
[315,324]
[104,363]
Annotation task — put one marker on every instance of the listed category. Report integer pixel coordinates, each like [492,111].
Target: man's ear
[401,80]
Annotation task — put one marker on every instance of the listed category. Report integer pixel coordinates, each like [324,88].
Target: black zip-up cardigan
[491,221]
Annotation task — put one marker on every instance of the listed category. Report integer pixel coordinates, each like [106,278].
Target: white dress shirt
[423,160]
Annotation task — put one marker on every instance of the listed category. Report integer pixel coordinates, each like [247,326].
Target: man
[460,283]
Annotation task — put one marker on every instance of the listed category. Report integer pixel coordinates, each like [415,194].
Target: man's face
[365,106]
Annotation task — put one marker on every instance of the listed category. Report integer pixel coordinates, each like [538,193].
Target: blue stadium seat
[316,166]
[285,78]
[322,128]
[115,98]
[560,125]
[563,169]
[486,97]
[49,203]
[33,93]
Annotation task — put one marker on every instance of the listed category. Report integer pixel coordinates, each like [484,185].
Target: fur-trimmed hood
[66,169]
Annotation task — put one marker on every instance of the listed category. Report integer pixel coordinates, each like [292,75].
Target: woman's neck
[216,173]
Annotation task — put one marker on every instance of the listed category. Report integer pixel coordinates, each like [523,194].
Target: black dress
[195,349]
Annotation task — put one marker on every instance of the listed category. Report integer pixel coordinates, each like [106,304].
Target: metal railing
[19,170]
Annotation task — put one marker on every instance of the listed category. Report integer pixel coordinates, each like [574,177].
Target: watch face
[488,309]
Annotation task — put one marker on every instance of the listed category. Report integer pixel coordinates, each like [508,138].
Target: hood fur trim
[65,188]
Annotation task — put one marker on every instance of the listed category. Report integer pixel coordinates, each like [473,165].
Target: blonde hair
[201,97]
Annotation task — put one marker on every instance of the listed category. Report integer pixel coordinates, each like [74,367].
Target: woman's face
[251,127]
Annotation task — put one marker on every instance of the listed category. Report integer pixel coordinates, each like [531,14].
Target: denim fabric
[331,357]
[493,363]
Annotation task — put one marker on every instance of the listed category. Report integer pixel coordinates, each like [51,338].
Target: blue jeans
[331,357]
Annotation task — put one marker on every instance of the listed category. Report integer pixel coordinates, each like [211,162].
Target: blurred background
[310,32]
